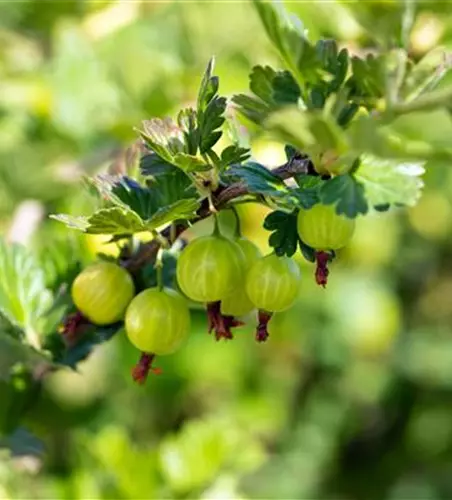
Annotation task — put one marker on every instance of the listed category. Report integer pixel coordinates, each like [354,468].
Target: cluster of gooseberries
[229,275]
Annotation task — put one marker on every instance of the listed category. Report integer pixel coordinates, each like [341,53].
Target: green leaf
[234,154]
[190,163]
[186,120]
[284,237]
[272,89]
[258,179]
[308,189]
[179,210]
[167,182]
[427,73]
[287,34]
[14,352]
[95,336]
[367,82]
[388,182]
[346,193]
[208,88]
[311,132]
[164,137]
[114,221]
[24,298]
[210,110]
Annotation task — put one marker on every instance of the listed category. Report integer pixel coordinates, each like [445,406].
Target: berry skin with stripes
[273,282]
[157,321]
[238,303]
[322,228]
[210,268]
[102,292]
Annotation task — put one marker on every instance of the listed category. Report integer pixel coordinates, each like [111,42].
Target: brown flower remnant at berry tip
[219,323]
[262,327]
[73,327]
[322,271]
[141,370]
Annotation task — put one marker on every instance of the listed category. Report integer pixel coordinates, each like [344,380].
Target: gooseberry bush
[342,119]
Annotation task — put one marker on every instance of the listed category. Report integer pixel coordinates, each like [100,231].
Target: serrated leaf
[284,237]
[168,182]
[186,120]
[272,89]
[164,137]
[388,182]
[209,121]
[73,222]
[190,163]
[82,349]
[258,179]
[114,221]
[261,83]
[287,34]
[24,298]
[346,193]
[182,209]
[234,154]
[307,193]
[208,87]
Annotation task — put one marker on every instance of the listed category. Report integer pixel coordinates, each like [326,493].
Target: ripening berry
[322,228]
[102,292]
[238,303]
[157,321]
[210,268]
[273,282]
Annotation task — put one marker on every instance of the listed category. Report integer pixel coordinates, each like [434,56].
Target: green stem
[435,99]
[159,268]
[238,227]
[216,226]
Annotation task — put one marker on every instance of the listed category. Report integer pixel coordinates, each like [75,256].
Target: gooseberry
[238,303]
[272,284]
[210,268]
[157,321]
[323,229]
[102,292]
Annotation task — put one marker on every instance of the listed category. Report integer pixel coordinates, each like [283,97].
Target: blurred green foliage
[350,397]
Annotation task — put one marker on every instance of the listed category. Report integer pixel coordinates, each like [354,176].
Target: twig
[148,251]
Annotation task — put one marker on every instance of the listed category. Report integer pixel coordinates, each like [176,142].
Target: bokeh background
[351,398]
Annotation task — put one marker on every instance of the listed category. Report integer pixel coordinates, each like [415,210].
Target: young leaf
[288,36]
[163,137]
[234,154]
[24,298]
[346,193]
[167,182]
[179,210]
[284,237]
[259,179]
[210,110]
[114,221]
[186,121]
[307,193]
[272,89]
[387,182]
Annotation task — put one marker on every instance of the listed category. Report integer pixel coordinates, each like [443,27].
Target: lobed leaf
[346,193]
[388,182]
